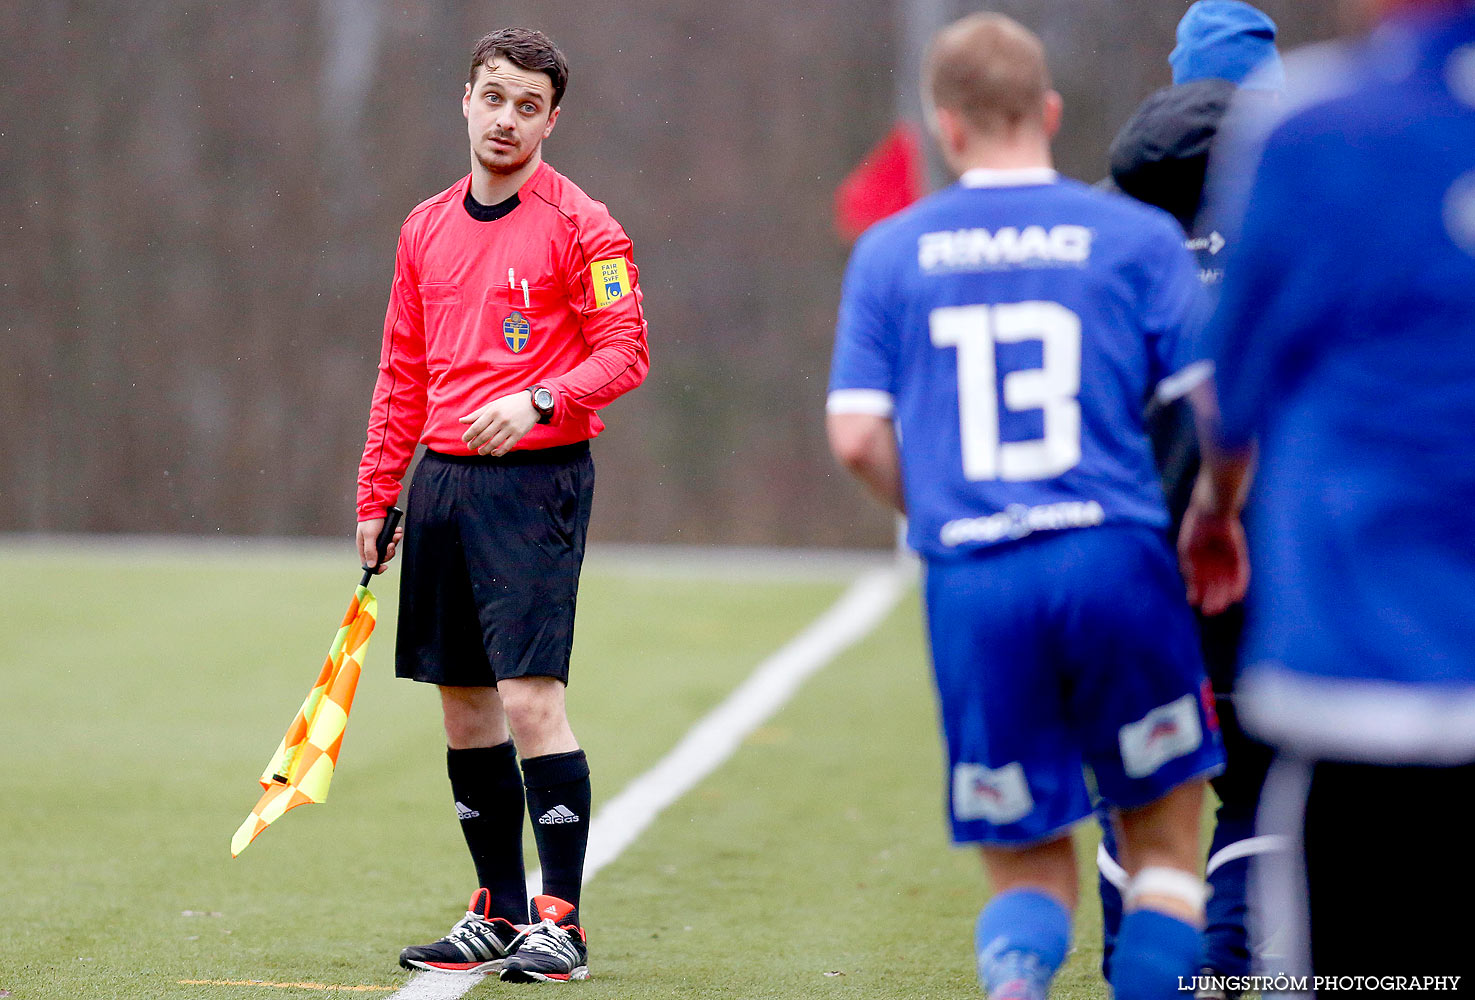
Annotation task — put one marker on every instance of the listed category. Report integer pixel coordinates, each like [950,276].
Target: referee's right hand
[368,542]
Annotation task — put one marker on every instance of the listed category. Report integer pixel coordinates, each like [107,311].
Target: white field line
[714,738]
[437,986]
[717,736]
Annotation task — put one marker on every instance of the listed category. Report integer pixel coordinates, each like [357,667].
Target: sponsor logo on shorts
[462,812]
[998,795]
[1018,520]
[1166,733]
[1210,704]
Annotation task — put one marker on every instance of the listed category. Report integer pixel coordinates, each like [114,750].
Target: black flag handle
[386,535]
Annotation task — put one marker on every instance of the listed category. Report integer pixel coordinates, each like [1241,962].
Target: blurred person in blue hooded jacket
[1344,348]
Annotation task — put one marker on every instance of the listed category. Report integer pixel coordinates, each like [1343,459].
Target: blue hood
[1227,40]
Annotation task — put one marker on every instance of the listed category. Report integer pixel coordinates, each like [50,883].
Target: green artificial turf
[143,693]
[816,863]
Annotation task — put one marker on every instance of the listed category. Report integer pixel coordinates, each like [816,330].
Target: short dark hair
[525,47]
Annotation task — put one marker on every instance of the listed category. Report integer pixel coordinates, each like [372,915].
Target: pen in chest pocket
[527,299]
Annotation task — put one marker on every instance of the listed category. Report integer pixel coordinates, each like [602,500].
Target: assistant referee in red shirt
[514,317]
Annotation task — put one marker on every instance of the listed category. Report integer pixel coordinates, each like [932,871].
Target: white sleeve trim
[1331,718]
[872,402]
[1184,381]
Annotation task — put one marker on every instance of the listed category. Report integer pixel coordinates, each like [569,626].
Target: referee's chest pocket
[527,316]
[443,321]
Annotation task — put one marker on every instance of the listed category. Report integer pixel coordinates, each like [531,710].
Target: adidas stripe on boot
[478,943]
[554,950]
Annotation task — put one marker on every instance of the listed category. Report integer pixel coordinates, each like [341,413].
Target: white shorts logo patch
[997,795]
[1167,732]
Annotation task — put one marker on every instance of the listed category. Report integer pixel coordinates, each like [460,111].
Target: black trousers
[1390,872]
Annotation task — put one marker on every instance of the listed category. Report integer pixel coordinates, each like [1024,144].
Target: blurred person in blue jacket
[1344,346]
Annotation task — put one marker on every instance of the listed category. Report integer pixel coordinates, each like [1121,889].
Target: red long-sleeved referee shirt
[545,295]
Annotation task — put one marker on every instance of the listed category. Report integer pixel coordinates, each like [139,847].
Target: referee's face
[509,112]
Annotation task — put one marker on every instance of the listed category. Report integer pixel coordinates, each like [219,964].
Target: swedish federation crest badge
[515,330]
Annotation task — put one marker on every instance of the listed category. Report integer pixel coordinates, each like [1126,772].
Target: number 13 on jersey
[1051,388]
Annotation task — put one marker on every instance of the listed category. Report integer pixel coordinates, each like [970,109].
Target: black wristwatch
[543,402]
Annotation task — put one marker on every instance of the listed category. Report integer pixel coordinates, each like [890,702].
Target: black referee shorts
[492,552]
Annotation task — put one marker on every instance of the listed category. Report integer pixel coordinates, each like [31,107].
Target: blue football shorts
[1063,659]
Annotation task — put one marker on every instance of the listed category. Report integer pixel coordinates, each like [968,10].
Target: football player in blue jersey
[1344,346]
[995,344]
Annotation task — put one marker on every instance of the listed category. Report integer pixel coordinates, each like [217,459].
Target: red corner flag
[887,180]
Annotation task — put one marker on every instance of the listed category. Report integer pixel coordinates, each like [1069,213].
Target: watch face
[543,398]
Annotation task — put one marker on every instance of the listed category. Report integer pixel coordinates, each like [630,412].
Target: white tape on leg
[1167,883]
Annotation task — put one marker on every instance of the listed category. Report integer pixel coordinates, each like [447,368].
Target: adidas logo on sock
[463,813]
[558,814]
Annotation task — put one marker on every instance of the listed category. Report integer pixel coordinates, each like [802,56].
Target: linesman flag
[891,177]
[302,767]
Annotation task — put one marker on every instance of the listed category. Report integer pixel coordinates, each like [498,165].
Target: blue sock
[1152,951]
[1021,940]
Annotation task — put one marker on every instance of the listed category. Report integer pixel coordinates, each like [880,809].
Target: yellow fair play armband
[611,279]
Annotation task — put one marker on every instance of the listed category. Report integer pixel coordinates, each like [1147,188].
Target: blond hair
[990,69]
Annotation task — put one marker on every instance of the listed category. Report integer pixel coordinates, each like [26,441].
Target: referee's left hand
[499,425]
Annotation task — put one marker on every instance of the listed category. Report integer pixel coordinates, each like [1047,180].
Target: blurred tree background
[200,204]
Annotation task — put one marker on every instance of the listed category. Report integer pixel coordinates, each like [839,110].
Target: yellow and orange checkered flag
[302,767]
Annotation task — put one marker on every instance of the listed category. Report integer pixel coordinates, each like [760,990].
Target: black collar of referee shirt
[488,213]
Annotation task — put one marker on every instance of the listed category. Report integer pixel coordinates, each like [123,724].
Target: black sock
[488,790]
[558,802]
